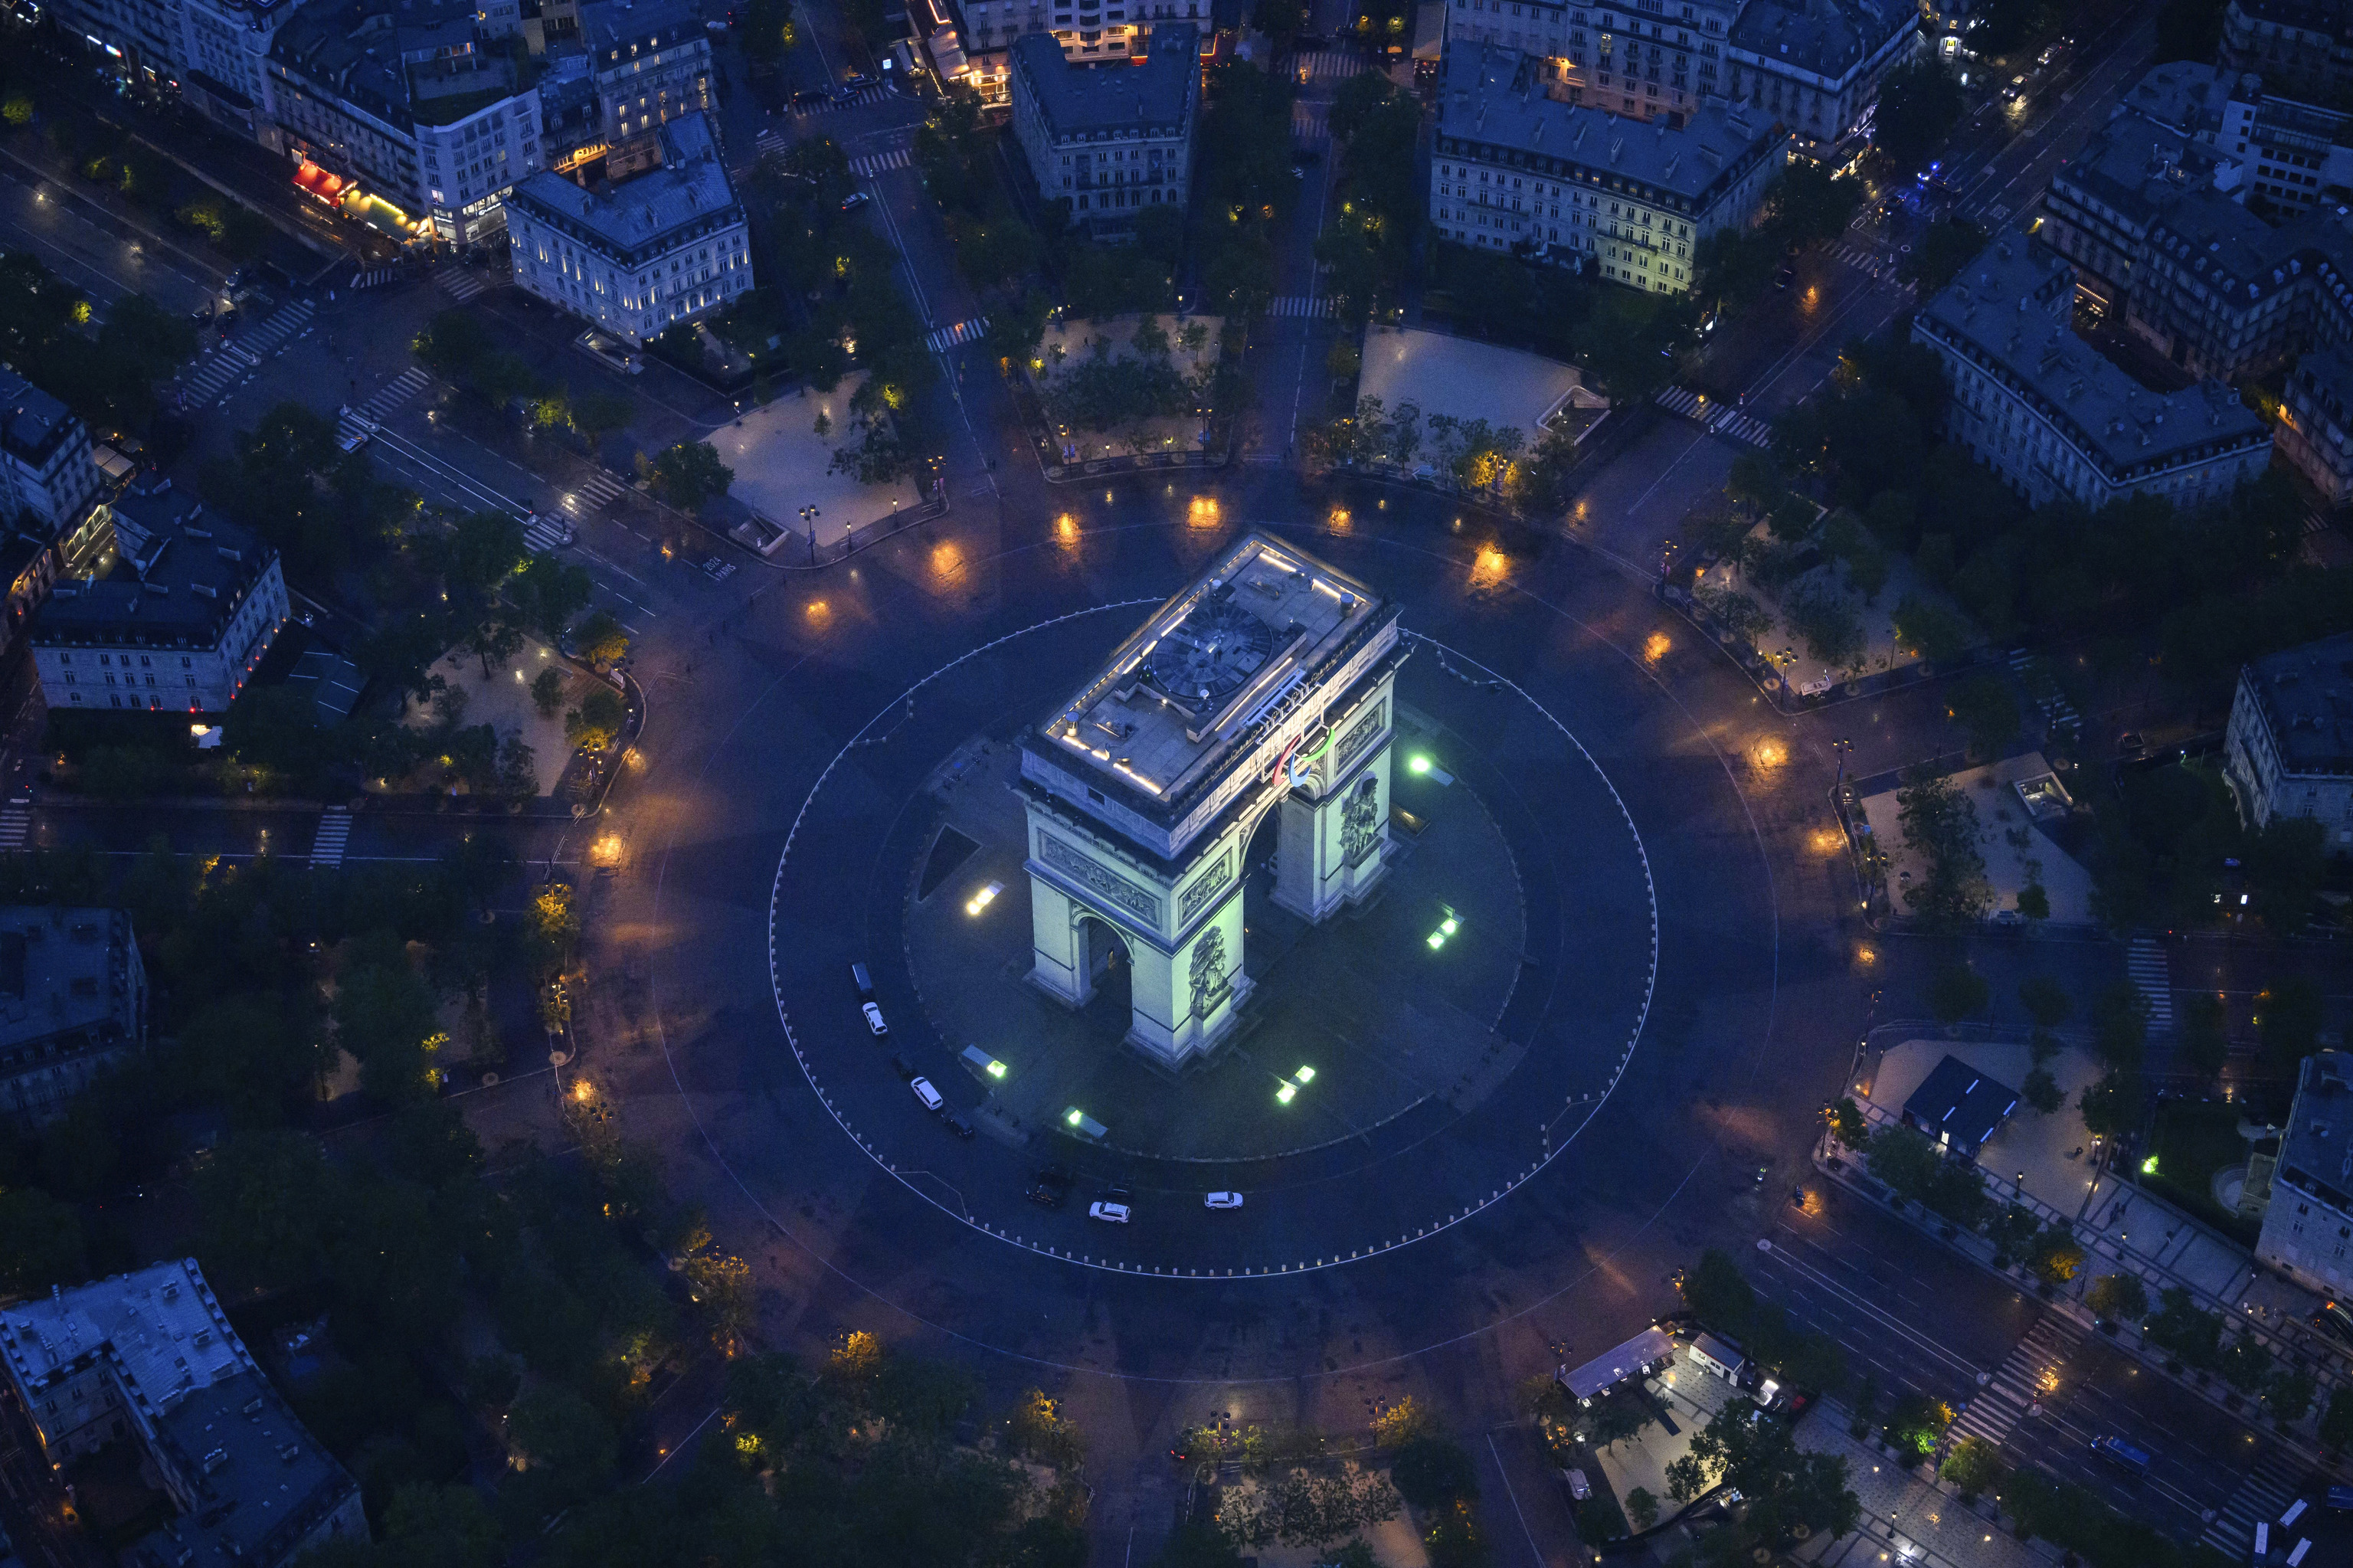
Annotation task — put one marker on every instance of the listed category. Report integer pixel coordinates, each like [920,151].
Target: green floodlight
[995,1069]
[1437,940]
[1075,1116]
[1418,764]
[1285,1095]
[1305,1075]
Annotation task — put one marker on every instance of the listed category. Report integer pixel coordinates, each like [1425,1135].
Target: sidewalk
[1913,1519]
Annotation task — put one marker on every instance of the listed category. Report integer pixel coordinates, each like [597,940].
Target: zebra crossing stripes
[15,824]
[948,337]
[874,94]
[542,534]
[2263,1493]
[335,830]
[2145,967]
[593,493]
[372,276]
[231,362]
[771,143]
[1858,256]
[866,168]
[1330,64]
[462,284]
[2032,1366]
[1718,417]
[393,394]
[2034,673]
[1294,305]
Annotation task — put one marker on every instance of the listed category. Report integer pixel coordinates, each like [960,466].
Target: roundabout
[1432,1121]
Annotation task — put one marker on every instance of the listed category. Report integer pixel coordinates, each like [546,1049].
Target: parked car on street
[1111,1214]
[1224,1201]
[932,1098]
[874,1024]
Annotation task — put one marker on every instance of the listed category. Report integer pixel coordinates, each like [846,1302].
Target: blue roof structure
[1958,1105]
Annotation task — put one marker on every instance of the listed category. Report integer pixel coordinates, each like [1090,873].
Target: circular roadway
[1660,1008]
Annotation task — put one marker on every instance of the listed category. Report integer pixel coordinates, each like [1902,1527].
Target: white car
[874,1024]
[929,1096]
[1116,1214]
[1223,1200]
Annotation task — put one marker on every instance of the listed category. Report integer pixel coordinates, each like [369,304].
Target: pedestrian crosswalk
[372,276]
[2152,976]
[393,394]
[866,168]
[1331,65]
[462,283]
[2263,1493]
[1297,305]
[771,143]
[15,824]
[593,493]
[2033,672]
[2025,1375]
[874,94]
[540,534]
[229,363]
[1311,122]
[334,832]
[947,337]
[1720,418]
[1860,256]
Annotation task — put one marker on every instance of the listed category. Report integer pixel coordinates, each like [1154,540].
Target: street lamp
[1842,747]
[809,514]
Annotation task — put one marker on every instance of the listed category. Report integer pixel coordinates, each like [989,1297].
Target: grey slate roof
[2239,256]
[1154,97]
[65,971]
[2183,94]
[689,187]
[2317,1150]
[263,1482]
[32,423]
[180,575]
[2111,416]
[1827,38]
[609,25]
[1489,94]
[346,47]
[2137,166]
[2307,699]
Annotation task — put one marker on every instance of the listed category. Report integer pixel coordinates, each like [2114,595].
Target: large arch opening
[1109,971]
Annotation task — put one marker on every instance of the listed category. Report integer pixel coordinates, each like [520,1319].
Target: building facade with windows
[182,608]
[2038,405]
[637,257]
[651,61]
[1814,65]
[150,1358]
[2288,751]
[1109,140]
[2315,424]
[1103,30]
[2302,47]
[1512,168]
[2308,1229]
[46,467]
[224,62]
[418,121]
[73,1003]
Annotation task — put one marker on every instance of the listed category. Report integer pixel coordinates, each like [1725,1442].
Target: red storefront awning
[319,182]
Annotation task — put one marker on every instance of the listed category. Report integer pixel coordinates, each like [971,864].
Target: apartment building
[150,1358]
[1815,65]
[2307,1231]
[2288,751]
[47,468]
[1110,140]
[638,257]
[2302,47]
[2042,409]
[224,62]
[73,1003]
[2295,153]
[651,62]
[182,608]
[1512,168]
[2315,424]
[137,39]
[415,120]
[2103,204]
[1085,30]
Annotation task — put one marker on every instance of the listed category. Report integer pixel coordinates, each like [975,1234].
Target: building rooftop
[2317,1150]
[1827,38]
[2140,167]
[33,424]
[1183,695]
[613,29]
[1999,307]
[166,1334]
[2183,95]
[1494,95]
[364,49]
[261,1482]
[177,578]
[2331,16]
[1636,1356]
[63,972]
[1155,96]
[687,188]
[2308,698]
[1958,1101]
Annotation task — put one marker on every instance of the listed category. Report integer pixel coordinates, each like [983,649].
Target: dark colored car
[900,1065]
[855,200]
[2336,1322]
[1052,1187]
[956,1124]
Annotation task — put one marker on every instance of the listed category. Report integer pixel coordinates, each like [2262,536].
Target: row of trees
[105,372]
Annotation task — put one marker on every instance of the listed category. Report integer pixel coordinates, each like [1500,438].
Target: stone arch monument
[1266,686]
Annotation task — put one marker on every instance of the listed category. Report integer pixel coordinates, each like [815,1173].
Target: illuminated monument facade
[1266,686]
